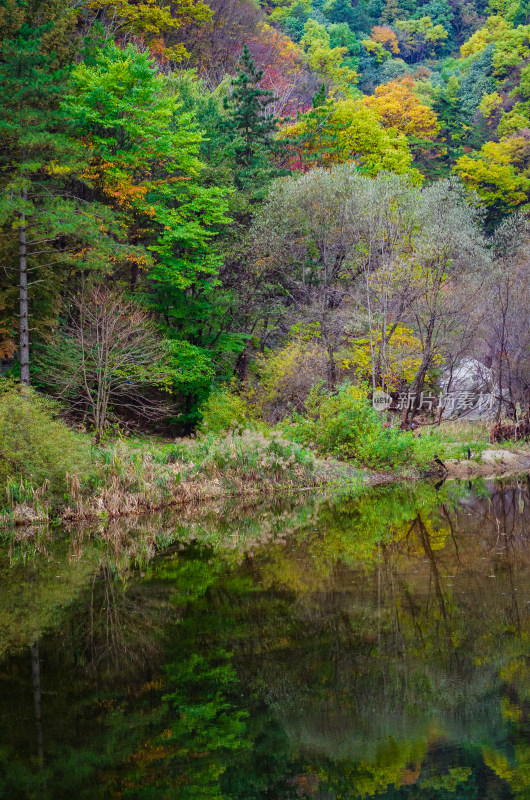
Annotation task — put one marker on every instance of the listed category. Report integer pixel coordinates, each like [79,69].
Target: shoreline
[494,463]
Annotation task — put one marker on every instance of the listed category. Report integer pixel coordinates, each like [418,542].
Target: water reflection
[364,647]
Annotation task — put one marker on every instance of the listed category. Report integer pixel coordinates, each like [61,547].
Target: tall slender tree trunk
[23,285]
[332,369]
[504,309]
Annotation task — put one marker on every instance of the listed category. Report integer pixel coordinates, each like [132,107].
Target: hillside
[218,214]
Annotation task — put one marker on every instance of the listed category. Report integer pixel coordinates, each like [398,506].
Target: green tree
[45,222]
[249,117]
[146,165]
[499,173]
[340,11]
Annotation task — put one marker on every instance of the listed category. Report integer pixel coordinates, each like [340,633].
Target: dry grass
[460,435]
[136,480]
[457,431]
[134,477]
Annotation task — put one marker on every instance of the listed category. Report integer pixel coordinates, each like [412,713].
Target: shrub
[346,425]
[36,447]
[287,375]
[223,411]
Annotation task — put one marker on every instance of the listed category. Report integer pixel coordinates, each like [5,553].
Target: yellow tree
[512,44]
[386,37]
[151,19]
[492,31]
[348,130]
[500,174]
[400,108]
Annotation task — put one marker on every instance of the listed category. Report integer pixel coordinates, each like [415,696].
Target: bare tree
[109,357]
[451,258]
[506,332]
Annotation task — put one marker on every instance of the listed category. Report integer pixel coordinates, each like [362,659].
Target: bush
[346,425]
[287,375]
[35,447]
[223,411]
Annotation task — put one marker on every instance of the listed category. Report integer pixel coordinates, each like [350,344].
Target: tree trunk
[332,369]
[242,365]
[415,389]
[23,286]
[419,378]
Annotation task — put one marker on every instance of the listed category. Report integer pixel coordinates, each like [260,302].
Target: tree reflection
[373,647]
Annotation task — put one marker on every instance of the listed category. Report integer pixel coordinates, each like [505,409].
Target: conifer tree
[249,116]
[44,221]
[320,97]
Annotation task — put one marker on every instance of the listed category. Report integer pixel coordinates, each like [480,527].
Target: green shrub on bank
[224,411]
[346,425]
[35,447]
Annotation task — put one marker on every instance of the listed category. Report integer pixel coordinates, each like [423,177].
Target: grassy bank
[48,471]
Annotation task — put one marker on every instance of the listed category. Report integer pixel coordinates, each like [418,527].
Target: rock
[469,391]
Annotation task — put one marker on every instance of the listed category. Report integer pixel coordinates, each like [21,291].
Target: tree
[506,334]
[448,107]
[340,11]
[347,130]
[325,60]
[45,219]
[151,19]
[499,173]
[512,44]
[420,38]
[341,35]
[106,359]
[400,108]
[386,37]
[249,117]
[359,257]
[450,257]
[303,245]
[323,235]
[145,163]
[215,47]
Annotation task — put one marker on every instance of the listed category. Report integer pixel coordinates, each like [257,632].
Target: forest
[225,225]
[264,399]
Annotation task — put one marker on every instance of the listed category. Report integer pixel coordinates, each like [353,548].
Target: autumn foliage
[400,108]
[386,37]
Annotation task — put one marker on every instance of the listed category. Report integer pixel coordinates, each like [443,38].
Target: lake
[374,646]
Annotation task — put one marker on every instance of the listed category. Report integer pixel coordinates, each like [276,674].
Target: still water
[367,647]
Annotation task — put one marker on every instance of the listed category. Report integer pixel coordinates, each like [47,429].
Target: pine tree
[43,222]
[320,97]
[248,115]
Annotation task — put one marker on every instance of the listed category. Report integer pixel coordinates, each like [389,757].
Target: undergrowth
[344,424]
[48,471]
[132,476]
